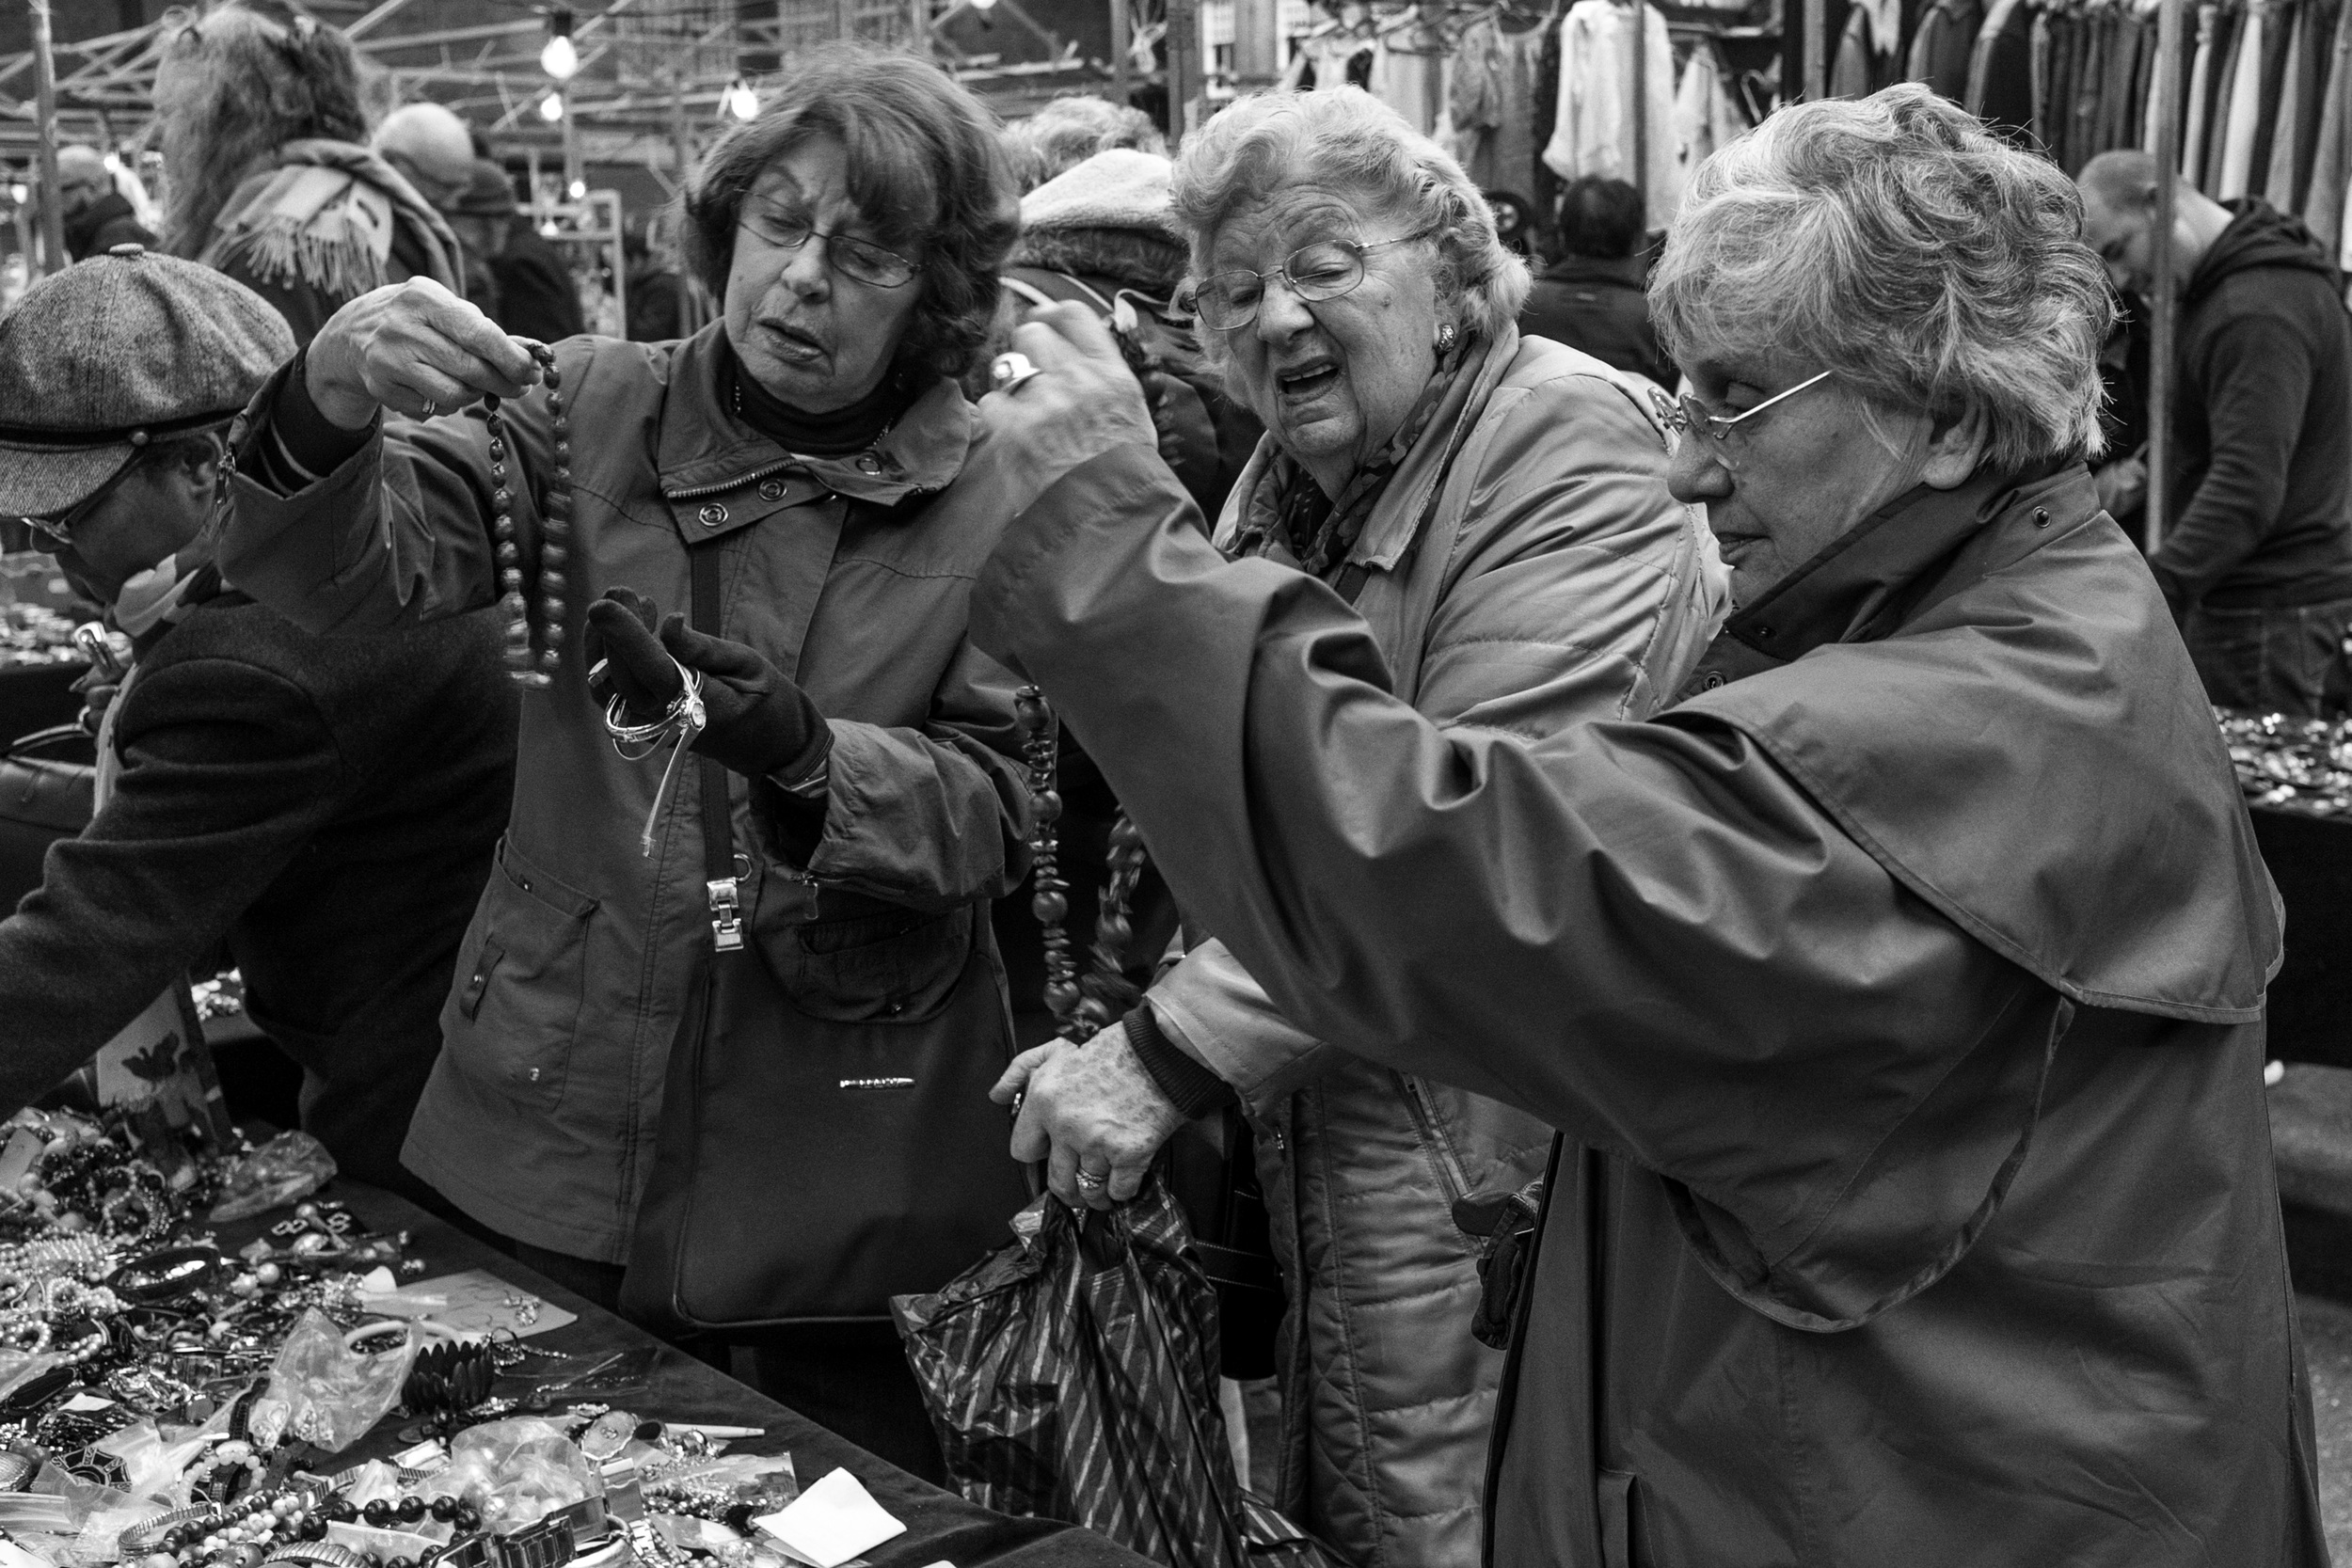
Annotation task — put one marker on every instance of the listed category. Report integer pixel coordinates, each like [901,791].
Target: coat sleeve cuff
[1193,1089]
[1209,1007]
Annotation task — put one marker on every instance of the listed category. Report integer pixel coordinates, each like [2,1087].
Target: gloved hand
[760,723]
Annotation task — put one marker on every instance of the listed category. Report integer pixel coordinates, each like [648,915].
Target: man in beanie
[532,290]
[326,807]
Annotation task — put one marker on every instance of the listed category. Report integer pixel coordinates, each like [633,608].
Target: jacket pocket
[900,966]
[510,1019]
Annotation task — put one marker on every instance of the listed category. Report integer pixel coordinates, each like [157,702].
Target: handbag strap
[726,909]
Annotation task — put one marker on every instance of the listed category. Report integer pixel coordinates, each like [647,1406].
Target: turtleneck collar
[840,433]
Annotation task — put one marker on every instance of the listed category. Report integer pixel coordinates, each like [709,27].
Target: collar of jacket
[707,450]
[1397,517]
[1627,271]
[1857,587]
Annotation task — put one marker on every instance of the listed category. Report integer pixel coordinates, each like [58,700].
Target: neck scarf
[1320,529]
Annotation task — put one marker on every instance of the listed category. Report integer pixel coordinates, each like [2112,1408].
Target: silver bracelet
[686,708]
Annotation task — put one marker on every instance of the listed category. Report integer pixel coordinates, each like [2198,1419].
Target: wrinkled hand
[760,723]
[1085,401]
[1089,1107]
[406,344]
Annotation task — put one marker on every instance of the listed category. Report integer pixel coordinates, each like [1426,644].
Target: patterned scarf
[1320,529]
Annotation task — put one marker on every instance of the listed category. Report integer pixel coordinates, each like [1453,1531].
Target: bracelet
[687,706]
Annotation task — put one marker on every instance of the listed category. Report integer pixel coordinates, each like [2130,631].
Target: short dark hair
[1600,218]
[924,170]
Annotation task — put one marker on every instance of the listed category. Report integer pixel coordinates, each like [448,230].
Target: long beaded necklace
[535,612]
[1083,1003]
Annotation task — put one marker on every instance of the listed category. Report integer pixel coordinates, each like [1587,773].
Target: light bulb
[559,59]
[580,189]
[18,195]
[552,107]
[742,101]
[983,5]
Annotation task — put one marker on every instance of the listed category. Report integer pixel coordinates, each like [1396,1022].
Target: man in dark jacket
[328,805]
[2257,556]
[97,216]
[1594,297]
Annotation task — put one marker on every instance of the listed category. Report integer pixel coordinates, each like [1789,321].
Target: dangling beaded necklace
[534,613]
[1092,1002]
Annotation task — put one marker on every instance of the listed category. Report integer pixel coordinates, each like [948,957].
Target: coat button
[869,462]
[1712,679]
[713,514]
[2041,516]
[771,489]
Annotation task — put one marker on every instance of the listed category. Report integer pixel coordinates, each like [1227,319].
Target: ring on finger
[1090,1181]
[1009,371]
[430,406]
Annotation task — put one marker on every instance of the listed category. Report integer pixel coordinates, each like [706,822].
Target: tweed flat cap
[1119,188]
[117,351]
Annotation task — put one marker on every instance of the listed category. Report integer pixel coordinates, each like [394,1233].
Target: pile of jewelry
[2302,765]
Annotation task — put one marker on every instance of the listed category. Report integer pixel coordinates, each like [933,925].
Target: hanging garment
[1474,97]
[2041,51]
[2095,36]
[2243,121]
[1332,60]
[1494,113]
[2279,183]
[1939,51]
[1595,129]
[2331,157]
[1707,114]
[2317,27]
[1405,79]
[2227,46]
[1546,98]
[1849,74]
[2270,91]
[2000,70]
[2200,99]
[2119,106]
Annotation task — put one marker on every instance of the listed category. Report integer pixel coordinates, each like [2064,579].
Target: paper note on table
[831,1522]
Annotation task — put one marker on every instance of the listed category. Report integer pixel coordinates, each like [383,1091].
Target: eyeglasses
[1689,414]
[860,259]
[1325,270]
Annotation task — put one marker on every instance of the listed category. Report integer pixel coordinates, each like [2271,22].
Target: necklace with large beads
[534,610]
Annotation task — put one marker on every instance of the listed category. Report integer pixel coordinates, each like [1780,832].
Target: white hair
[1934,267]
[1351,139]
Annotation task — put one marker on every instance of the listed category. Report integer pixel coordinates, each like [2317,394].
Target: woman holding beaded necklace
[852,230]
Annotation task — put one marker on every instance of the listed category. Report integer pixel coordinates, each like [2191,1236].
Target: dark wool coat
[1900,1005]
[326,804]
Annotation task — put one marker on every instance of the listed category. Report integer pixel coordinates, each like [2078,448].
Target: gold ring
[1009,371]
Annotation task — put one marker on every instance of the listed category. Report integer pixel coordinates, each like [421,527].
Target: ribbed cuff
[1193,1089]
[311,441]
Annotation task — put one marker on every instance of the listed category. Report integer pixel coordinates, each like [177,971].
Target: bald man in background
[97,216]
[431,148]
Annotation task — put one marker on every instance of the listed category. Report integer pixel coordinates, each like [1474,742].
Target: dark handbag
[826,1138]
[48,781]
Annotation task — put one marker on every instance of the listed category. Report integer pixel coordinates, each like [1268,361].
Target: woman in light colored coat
[1496,508]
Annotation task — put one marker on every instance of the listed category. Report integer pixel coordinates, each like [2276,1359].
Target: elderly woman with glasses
[1496,508]
[832,878]
[1897,992]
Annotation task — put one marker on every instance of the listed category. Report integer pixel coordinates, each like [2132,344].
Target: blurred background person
[326,807]
[259,117]
[431,149]
[1069,131]
[97,216]
[531,292]
[1596,296]
[653,285]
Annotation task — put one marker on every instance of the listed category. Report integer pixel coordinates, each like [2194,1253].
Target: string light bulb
[552,107]
[742,101]
[559,58]
[580,190]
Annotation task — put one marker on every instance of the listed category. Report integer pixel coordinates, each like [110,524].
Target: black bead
[411,1508]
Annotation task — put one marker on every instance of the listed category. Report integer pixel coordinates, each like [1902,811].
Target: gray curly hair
[1353,140]
[1933,265]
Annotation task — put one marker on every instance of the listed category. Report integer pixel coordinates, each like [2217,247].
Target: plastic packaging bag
[1072,1375]
[325,1394]
[291,1166]
[514,1472]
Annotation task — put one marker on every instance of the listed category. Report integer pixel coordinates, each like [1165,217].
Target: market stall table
[940,1527]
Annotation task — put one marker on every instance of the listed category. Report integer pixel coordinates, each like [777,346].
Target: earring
[1445,338]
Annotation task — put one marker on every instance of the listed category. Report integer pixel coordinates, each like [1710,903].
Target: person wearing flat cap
[325,806]
[530,289]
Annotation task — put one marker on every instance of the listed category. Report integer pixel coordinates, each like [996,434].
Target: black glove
[760,723]
[634,667]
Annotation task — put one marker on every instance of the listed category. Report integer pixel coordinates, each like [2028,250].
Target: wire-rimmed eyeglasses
[852,258]
[1324,270]
[1691,413]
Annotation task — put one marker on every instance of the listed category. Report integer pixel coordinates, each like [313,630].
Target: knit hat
[488,195]
[117,351]
[1121,188]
